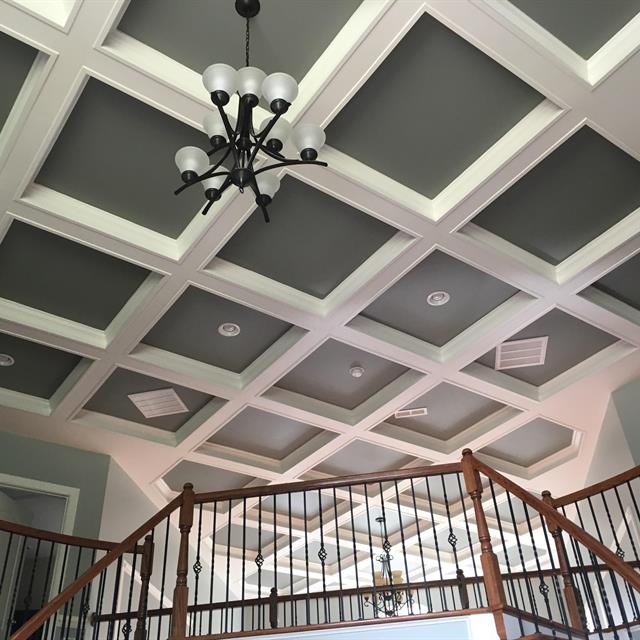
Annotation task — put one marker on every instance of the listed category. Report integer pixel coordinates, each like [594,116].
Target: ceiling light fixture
[438,298]
[238,139]
[6,360]
[356,371]
[229,329]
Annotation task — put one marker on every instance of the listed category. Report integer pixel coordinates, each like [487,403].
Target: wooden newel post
[146,567]
[574,608]
[181,592]
[489,562]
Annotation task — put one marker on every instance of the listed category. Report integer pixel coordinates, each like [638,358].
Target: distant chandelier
[389,596]
[237,140]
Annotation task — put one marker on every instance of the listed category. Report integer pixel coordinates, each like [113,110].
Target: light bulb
[309,139]
[250,81]
[268,184]
[220,80]
[279,90]
[191,162]
[278,134]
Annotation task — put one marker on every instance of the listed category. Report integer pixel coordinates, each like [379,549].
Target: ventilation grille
[163,402]
[411,413]
[521,353]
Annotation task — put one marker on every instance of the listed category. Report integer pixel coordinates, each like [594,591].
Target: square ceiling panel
[131,172]
[38,370]
[583,25]
[244,537]
[575,194]
[204,478]
[444,489]
[457,93]
[473,294]
[313,242]
[622,282]
[112,399]
[48,272]
[363,457]
[264,434]
[215,32]
[324,375]
[570,342]
[302,504]
[451,410]
[190,328]
[16,59]
[531,443]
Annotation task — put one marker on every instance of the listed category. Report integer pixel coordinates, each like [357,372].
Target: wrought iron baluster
[227,579]
[355,557]
[424,570]
[408,594]
[340,595]
[476,582]
[443,593]
[322,556]
[244,557]
[164,572]
[197,570]
[293,608]
[306,556]
[373,599]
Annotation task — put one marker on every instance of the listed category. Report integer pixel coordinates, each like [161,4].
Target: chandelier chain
[247,43]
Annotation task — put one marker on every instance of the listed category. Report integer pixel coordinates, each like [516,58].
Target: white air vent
[411,413]
[521,353]
[163,402]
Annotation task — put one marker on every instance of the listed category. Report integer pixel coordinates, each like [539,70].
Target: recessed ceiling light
[356,371]
[438,298]
[229,329]
[6,360]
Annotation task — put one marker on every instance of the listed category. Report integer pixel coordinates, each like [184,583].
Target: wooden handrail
[35,622]
[598,487]
[327,483]
[61,538]
[607,556]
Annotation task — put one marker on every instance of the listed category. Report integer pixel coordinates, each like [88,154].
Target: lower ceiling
[486,150]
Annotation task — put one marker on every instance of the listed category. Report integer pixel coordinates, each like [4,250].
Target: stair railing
[419,543]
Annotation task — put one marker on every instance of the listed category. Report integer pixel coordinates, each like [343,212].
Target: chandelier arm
[288,163]
[271,154]
[254,187]
[217,148]
[207,207]
[231,134]
[204,176]
[262,137]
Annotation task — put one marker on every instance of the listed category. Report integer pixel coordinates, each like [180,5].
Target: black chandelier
[389,596]
[238,141]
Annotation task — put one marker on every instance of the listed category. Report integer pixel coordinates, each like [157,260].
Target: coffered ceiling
[487,149]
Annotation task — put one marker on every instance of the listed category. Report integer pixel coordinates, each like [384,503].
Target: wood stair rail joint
[36,621]
[607,556]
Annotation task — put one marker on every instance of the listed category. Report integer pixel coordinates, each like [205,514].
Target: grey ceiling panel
[622,282]
[446,489]
[112,399]
[204,478]
[246,537]
[313,242]
[451,411]
[298,504]
[576,193]
[264,434]
[38,370]
[324,375]
[59,276]
[16,59]
[473,294]
[367,521]
[190,328]
[570,342]
[363,457]
[403,120]
[531,443]
[583,25]
[214,32]
[128,170]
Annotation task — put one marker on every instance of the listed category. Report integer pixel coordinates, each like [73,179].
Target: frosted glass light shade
[213,183]
[220,77]
[268,184]
[279,86]
[281,130]
[309,136]
[192,159]
[250,80]
[214,126]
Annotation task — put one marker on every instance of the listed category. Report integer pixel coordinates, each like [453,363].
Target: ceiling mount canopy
[234,142]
